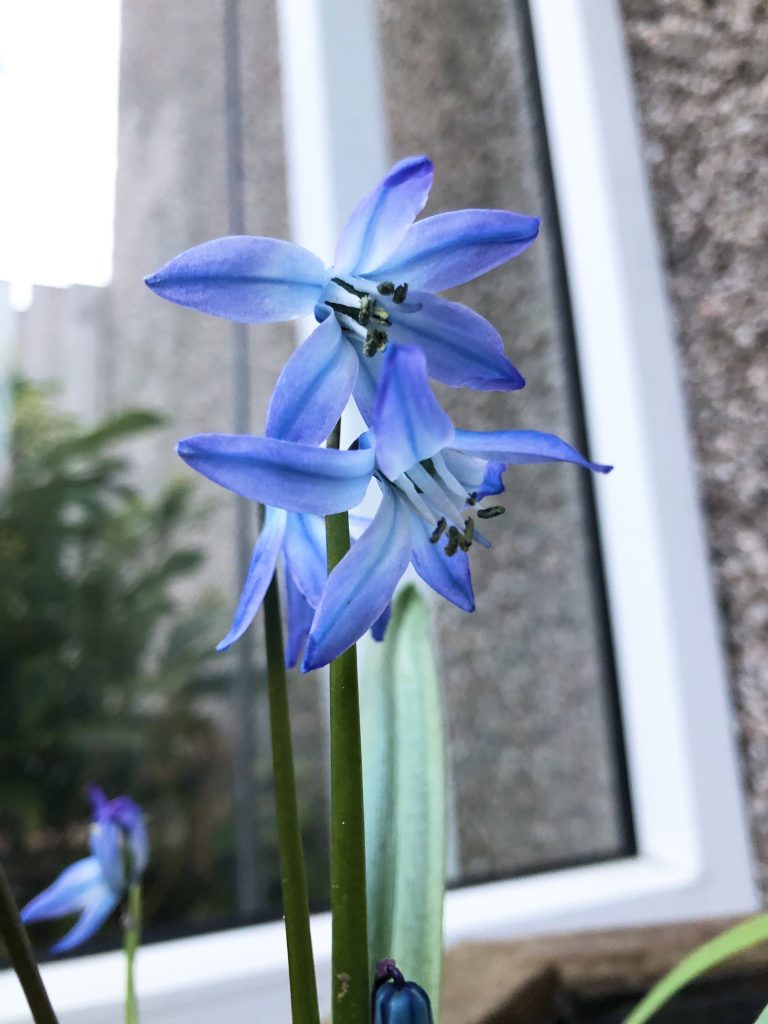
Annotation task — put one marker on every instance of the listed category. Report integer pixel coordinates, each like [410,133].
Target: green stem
[301,967]
[23,959]
[350,972]
[131,939]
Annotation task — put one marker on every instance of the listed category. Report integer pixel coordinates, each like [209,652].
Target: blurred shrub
[105,675]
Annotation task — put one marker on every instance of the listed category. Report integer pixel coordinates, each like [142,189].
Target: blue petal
[492,481]
[124,812]
[296,477]
[260,573]
[99,905]
[451,248]
[408,422]
[106,842]
[362,584]
[305,555]
[299,614]
[521,446]
[250,280]
[381,219]
[449,577]
[367,383]
[67,894]
[462,348]
[314,386]
[379,628]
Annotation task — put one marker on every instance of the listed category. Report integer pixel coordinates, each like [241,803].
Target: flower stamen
[491,512]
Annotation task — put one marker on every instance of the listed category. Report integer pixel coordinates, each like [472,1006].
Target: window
[637,701]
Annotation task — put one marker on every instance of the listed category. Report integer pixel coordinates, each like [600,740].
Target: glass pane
[106,641]
[528,678]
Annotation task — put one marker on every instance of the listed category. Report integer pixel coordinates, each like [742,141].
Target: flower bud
[397,1001]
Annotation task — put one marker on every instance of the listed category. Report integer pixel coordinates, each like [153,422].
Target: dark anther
[348,287]
[438,531]
[400,293]
[491,512]
[375,341]
[472,499]
[454,538]
[469,529]
[380,314]
[366,308]
[385,288]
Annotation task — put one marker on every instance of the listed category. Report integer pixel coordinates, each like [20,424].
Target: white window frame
[694,856]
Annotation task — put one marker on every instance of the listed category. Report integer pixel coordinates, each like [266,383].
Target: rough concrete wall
[701,74]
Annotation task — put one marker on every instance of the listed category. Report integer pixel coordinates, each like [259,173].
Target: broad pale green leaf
[404,784]
[715,951]
[763,1018]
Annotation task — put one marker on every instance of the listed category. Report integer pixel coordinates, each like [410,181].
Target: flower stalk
[301,967]
[21,956]
[131,940]
[350,982]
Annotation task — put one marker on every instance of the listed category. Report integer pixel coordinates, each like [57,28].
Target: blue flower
[379,289]
[95,885]
[300,540]
[397,1001]
[432,477]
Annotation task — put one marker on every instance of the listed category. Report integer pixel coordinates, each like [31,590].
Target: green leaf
[404,786]
[763,1018]
[732,942]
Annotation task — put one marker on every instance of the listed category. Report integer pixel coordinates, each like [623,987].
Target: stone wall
[701,74]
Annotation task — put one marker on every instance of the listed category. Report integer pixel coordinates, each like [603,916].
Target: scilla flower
[95,885]
[299,540]
[397,1001]
[379,290]
[433,479]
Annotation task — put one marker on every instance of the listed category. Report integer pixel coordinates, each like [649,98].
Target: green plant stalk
[131,940]
[301,967]
[350,981]
[20,952]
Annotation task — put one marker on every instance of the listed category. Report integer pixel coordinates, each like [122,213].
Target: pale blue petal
[314,386]
[379,628]
[367,382]
[106,842]
[451,248]
[476,476]
[449,577]
[67,894]
[521,446]
[362,584]
[381,219]
[462,348]
[305,555]
[99,905]
[299,613]
[296,477]
[242,278]
[408,422]
[260,573]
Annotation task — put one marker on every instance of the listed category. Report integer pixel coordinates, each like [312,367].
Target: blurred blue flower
[95,885]
[432,478]
[397,1001]
[380,289]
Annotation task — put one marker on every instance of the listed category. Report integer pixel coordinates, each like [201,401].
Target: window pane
[113,675]
[528,677]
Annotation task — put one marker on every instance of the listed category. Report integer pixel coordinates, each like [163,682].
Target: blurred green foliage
[106,674]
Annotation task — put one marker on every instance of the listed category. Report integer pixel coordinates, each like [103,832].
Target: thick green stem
[350,979]
[301,967]
[131,940]
[23,959]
